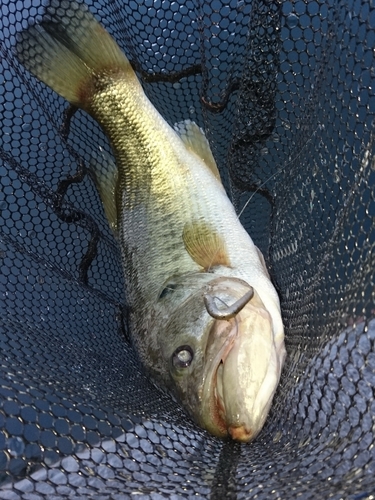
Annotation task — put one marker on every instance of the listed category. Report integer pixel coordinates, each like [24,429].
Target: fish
[204,316]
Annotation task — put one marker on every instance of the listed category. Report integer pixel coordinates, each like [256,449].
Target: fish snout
[250,376]
[244,361]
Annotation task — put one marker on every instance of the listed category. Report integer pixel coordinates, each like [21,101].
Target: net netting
[285,93]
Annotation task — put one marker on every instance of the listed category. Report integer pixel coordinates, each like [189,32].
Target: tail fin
[69,49]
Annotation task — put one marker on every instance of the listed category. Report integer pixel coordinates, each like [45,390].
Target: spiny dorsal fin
[195,141]
[205,245]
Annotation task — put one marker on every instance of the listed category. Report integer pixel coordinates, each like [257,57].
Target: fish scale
[180,238]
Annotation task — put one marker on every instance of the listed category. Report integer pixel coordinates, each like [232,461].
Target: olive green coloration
[184,252]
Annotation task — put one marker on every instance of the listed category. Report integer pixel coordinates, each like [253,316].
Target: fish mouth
[242,370]
[213,411]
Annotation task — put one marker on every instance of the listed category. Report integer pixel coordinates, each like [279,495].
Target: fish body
[183,247]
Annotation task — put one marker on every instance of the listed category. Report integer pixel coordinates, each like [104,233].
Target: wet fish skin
[179,234]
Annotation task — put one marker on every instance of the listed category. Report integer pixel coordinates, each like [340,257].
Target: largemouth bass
[204,316]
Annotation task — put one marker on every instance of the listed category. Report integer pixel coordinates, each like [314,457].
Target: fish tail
[70,51]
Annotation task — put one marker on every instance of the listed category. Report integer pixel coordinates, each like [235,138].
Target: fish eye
[182,357]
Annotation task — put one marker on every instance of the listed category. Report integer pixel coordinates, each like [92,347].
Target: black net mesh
[285,92]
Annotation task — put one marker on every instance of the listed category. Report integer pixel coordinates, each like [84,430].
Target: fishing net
[285,93]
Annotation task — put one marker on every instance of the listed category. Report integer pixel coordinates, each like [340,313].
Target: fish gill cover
[285,94]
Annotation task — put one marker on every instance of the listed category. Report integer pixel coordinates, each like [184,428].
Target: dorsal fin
[205,245]
[196,142]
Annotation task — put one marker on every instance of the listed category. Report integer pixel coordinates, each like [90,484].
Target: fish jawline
[217,424]
[217,402]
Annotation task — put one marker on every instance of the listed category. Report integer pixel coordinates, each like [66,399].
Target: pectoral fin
[205,245]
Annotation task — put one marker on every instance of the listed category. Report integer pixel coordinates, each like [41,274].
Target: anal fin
[105,175]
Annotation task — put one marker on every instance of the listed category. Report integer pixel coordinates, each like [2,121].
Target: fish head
[223,371]
[242,377]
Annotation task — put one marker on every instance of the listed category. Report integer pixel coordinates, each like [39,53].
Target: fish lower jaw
[238,432]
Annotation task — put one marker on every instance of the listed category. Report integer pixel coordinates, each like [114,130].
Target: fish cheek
[183,340]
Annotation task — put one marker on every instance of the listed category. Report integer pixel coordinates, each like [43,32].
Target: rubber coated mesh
[285,92]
